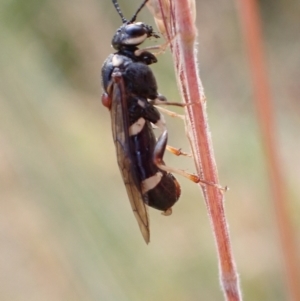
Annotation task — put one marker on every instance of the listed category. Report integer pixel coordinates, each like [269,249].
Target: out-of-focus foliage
[66,228]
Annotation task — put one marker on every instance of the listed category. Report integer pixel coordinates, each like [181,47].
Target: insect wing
[120,128]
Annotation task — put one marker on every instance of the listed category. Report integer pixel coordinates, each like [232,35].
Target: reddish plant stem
[251,25]
[176,19]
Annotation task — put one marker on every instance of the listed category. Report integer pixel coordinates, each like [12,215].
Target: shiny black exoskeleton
[130,92]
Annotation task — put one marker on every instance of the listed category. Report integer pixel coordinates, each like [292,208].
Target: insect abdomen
[165,194]
[159,188]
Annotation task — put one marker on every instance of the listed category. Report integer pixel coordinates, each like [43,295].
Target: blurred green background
[66,227]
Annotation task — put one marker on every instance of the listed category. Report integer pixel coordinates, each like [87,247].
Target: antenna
[138,10]
[119,10]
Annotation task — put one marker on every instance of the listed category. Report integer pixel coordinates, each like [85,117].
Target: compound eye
[135,30]
[136,34]
[132,34]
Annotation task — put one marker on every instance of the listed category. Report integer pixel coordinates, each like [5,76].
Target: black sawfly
[130,93]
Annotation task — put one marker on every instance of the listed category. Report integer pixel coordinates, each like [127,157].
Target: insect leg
[170,113]
[158,161]
[177,151]
[161,48]
[152,114]
[162,100]
[157,119]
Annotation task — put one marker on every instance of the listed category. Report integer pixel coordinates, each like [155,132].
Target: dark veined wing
[120,127]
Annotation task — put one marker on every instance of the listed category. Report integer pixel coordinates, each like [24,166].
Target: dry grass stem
[176,21]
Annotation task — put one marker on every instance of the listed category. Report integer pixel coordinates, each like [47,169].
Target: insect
[130,93]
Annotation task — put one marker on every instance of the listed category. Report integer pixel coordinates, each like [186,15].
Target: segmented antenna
[116,4]
[138,10]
